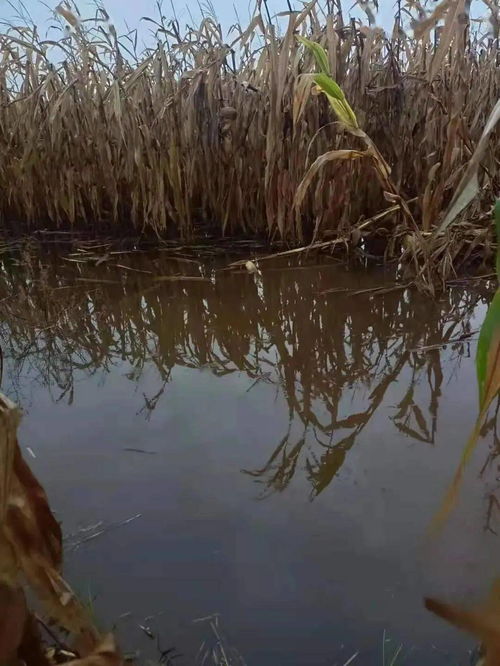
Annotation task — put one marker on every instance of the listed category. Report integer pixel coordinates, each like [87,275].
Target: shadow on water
[341,366]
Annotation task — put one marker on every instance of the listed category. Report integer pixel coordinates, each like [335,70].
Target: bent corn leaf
[330,87]
[337,100]
[318,52]
[315,168]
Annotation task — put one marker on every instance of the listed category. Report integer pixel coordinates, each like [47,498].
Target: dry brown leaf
[106,654]
[68,15]
[420,28]
[469,186]
[483,622]
[13,614]
[301,95]
[320,163]
[30,537]
[448,33]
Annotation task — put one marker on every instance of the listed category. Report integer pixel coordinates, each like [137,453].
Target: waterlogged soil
[249,449]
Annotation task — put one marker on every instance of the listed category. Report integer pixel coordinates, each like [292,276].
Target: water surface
[251,447]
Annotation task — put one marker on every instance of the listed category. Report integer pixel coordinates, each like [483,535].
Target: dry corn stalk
[195,134]
[31,552]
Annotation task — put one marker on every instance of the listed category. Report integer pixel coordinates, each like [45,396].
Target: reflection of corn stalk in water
[273,331]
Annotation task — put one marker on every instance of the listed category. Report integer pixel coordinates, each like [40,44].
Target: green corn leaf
[488,347]
[497,225]
[318,52]
[337,100]
[488,354]
[329,86]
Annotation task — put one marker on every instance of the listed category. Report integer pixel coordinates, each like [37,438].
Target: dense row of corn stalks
[200,133]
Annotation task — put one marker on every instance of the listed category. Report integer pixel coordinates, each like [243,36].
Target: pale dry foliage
[31,552]
[199,134]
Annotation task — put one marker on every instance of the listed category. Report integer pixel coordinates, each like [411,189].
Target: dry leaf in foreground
[31,550]
[482,621]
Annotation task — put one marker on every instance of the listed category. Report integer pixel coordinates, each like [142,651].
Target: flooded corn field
[255,456]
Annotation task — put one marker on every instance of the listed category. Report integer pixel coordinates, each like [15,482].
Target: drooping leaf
[329,86]
[318,52]
[317,165]
[451,495]
[337,100]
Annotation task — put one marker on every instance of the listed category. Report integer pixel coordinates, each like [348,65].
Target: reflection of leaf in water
[410,432]
[405,403]
[284,470]
[330,464]
[421,422]
[352,421]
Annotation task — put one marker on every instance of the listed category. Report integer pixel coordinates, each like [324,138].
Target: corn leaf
[488,348]
[315,168]
[329,86]
[468,186]
[337,100]
[488,355]
[318,52]
[497,229]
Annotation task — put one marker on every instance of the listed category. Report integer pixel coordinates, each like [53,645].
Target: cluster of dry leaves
[31,555]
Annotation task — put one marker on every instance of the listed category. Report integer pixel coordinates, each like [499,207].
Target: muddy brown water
[251,448]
